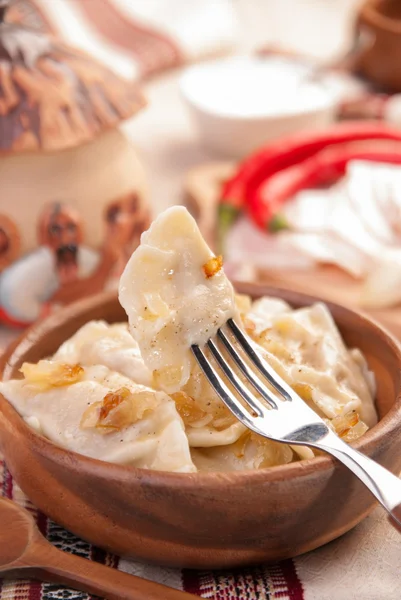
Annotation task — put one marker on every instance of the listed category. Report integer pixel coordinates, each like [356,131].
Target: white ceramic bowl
[241,103]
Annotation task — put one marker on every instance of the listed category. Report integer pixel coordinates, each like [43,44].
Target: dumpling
[99,343]
[250,451]
[210,425]
[263,311]
[175,294]
[305,347]
[99,413]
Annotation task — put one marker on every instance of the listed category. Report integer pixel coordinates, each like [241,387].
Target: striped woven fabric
[277,582]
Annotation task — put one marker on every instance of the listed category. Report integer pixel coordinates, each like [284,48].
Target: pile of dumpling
[132,393]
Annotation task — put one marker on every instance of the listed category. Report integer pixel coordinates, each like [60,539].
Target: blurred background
[322,29]
[277,122]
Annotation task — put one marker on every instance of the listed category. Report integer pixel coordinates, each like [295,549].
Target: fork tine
[273,378]
[263,391]
[221,389]
[236,382]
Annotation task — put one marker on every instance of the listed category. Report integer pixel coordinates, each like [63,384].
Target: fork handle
[383,484]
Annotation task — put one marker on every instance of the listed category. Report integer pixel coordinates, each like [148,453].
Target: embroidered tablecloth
[365,564]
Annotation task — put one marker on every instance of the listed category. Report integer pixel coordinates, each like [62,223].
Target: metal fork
[287,419]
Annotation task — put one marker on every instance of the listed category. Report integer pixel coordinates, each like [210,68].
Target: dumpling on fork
[175,294]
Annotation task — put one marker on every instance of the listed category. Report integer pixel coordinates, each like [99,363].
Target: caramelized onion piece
[167,378]
[118,410]
[223,419]
[349,427]
[249,325]
[268,453]
[213,266]
[189,412]
[244,303]
[47,374]
[304,390]
[275,347]
[196,414]
[240,446]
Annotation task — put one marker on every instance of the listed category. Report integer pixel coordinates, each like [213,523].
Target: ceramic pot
[73,192]
[378,31]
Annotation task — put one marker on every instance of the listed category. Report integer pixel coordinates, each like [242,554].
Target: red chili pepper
[286,152]
[6,319]
[324,167]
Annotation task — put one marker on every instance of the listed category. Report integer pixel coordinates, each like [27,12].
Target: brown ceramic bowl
[204,520]
[379,24]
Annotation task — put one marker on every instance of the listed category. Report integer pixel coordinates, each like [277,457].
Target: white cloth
[32,280]
[364,564]
[392,110]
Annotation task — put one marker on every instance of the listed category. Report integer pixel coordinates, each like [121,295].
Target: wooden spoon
[25,553]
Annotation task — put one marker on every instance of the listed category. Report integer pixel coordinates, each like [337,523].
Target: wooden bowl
[200,520]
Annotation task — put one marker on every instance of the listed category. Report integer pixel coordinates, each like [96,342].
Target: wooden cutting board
[201,188]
